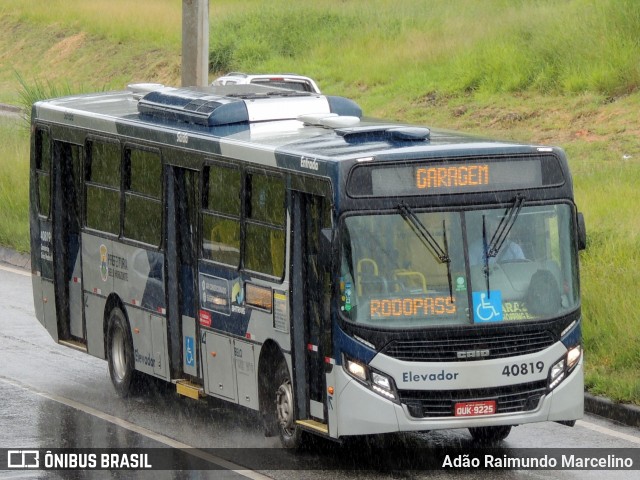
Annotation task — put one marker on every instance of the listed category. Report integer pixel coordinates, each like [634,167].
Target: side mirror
[582,233]
[325,248]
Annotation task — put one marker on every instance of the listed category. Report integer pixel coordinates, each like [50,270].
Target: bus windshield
[413,269]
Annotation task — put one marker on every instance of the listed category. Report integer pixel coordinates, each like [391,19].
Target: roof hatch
[387,132]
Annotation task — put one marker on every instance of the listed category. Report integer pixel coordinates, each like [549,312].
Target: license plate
[473,409]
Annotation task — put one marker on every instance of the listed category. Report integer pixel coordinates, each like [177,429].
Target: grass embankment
[564,73]
[14,192]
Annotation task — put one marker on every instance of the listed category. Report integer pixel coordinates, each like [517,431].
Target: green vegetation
[564,73]
[14,185]
[447,46]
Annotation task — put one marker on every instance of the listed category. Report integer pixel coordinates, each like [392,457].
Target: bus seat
[366,273]
[410,280]
[544,295]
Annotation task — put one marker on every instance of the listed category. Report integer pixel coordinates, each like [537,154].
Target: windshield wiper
[492,248]
[505,226]
[442,254]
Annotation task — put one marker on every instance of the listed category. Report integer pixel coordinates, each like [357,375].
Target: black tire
[291,435]
[490,434]
[120,353]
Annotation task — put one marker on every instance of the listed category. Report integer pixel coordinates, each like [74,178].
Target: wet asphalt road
[54,397]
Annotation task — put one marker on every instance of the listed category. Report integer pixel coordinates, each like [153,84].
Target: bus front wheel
[120,353]
[490,434]
[291,435]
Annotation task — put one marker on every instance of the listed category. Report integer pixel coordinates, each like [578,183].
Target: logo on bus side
[310,163]
[237,297]
[113,266]
[104,268]
[145,359]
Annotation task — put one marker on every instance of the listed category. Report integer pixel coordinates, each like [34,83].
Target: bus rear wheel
[490,434]
[291,435]
[120,353]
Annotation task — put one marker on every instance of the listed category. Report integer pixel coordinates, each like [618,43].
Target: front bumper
[363,412]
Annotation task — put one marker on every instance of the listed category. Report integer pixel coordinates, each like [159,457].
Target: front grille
[440,403]
[446,349]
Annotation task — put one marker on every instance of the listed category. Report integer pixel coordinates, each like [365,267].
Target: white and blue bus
[339,275]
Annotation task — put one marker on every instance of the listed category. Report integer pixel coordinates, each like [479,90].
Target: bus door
[181,223]
[42,255]
[66,240]
[310,306]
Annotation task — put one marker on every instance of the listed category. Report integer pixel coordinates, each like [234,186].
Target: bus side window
[265,222]
[102,175]
[43,171]
[221,215]
[143,191]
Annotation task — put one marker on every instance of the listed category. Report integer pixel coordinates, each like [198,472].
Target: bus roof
[243,118]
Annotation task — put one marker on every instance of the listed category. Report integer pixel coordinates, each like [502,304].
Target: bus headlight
[356,370]
[383,385]
[556,375]
[376,381]
[381,380]
[573,356]
[561,369]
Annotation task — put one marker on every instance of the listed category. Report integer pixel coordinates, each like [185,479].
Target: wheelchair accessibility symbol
[487,307]
[188,352]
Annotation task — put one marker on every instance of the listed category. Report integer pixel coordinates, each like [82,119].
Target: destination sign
[454,176]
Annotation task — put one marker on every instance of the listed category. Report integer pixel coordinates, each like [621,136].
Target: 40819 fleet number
[526,368]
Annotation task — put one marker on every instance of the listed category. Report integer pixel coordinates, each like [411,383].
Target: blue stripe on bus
[574,336]
[350,346]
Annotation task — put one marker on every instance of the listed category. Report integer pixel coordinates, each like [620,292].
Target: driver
[510,250]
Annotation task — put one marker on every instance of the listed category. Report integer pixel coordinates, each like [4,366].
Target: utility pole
[195,43]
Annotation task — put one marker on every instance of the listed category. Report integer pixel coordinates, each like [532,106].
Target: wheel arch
[271,355]
[113,300]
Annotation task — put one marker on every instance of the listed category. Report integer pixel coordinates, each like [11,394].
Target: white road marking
[608,431]
[142,431]
[24,273]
